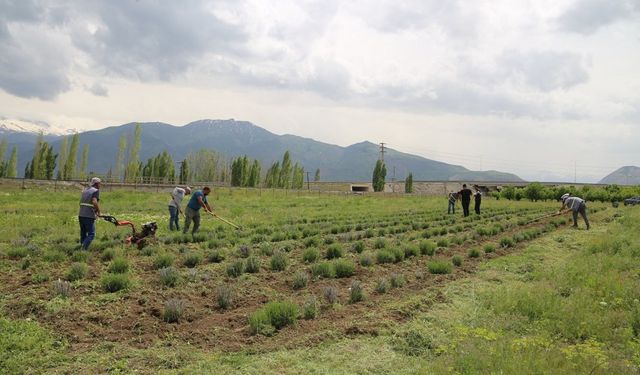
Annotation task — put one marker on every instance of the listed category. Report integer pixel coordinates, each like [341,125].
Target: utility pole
[382,151]
[575,174]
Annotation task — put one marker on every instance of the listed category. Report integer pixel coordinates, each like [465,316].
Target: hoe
[136,238]
[225,220]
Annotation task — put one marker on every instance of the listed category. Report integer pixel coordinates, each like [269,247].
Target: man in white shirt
[577,206]
[177,195]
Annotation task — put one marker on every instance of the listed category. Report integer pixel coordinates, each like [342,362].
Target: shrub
[366,260]
[443,242]
[310,308]
[113,282]
[356,293]
[252,265]
[107,255]
[310,255]
[368,233]
[216,256]
[80,256]
[191,260]
[456,260]
[385,256]
[224,296]
[311,242]
[382,286]
[334,251]
[173,310]
[169,276]
[236,268]
[278,261]
[78,271]
[54,256]
[17,252]
[397,280]
[506,242]
[428,248]
[489,248]
[411,251]
[300,280]
[518,237]
[324,269]
[244,251]
[274,315]
[380,243]
[266,249]
[344,268]
[358,247]
[398,254]
[119,265]
[61,288]
[40,277]
[474,253]
[329,240]
[163,261]
[439,267]
[330,295]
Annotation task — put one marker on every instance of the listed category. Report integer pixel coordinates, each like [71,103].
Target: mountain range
[628,175]
[235,138]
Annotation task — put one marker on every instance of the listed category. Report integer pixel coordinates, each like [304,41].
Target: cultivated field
[362,284]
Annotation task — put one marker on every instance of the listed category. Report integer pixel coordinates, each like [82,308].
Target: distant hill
[629,175]
[234,138]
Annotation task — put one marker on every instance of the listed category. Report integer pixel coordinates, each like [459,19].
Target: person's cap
[187,189]
[95,181]
[564,196]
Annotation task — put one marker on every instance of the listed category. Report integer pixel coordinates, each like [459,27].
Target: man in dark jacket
[478,199]
[89,210]
[465,196]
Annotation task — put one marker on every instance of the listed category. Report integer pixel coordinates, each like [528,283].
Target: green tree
[184,172]
[297,181]
[12,165]
[316,178]
[534,191]
[50,161]
[122,148]
[284,179]
[62,158]
[72,155]
[509,192]
[254,174]
[408,184]
[379,176]
[133,165]
[28,171]
[273,175]
[84,162]
[36,162]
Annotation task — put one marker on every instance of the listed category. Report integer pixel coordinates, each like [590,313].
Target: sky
[546,89]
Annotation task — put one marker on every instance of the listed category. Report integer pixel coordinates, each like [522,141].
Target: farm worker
[89,210]
[192,212]
[577,206]
[174,206]
[478,198]
[453,197]
[465,197]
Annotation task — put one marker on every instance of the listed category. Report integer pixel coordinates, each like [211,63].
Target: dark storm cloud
[587,16]
[143,40]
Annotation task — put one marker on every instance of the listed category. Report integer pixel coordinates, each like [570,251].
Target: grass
[113,282]
[519,313]
[273,316]
[439,267]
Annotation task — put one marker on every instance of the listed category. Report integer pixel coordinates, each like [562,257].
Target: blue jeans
[174,218]
[452,208]
[87,231]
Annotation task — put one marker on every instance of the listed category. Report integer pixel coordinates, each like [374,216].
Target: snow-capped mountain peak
[8,125]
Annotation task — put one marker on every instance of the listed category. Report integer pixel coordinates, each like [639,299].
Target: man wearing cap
[192,212]
[174,206]
[577,206]
[89,210]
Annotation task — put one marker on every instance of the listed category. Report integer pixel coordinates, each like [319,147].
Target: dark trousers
[582,210]
[87,231]
[465,208]
[452,208]
[191,215]
[477,207]
[174,218]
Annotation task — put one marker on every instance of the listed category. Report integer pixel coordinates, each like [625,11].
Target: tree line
[535,191]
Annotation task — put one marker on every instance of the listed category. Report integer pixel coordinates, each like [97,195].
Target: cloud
[588,16]
[98,89]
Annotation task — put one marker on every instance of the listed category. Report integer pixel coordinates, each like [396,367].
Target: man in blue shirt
[89,210]
[192,212]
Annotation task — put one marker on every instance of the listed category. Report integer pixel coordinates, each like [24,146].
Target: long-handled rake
[224,220]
